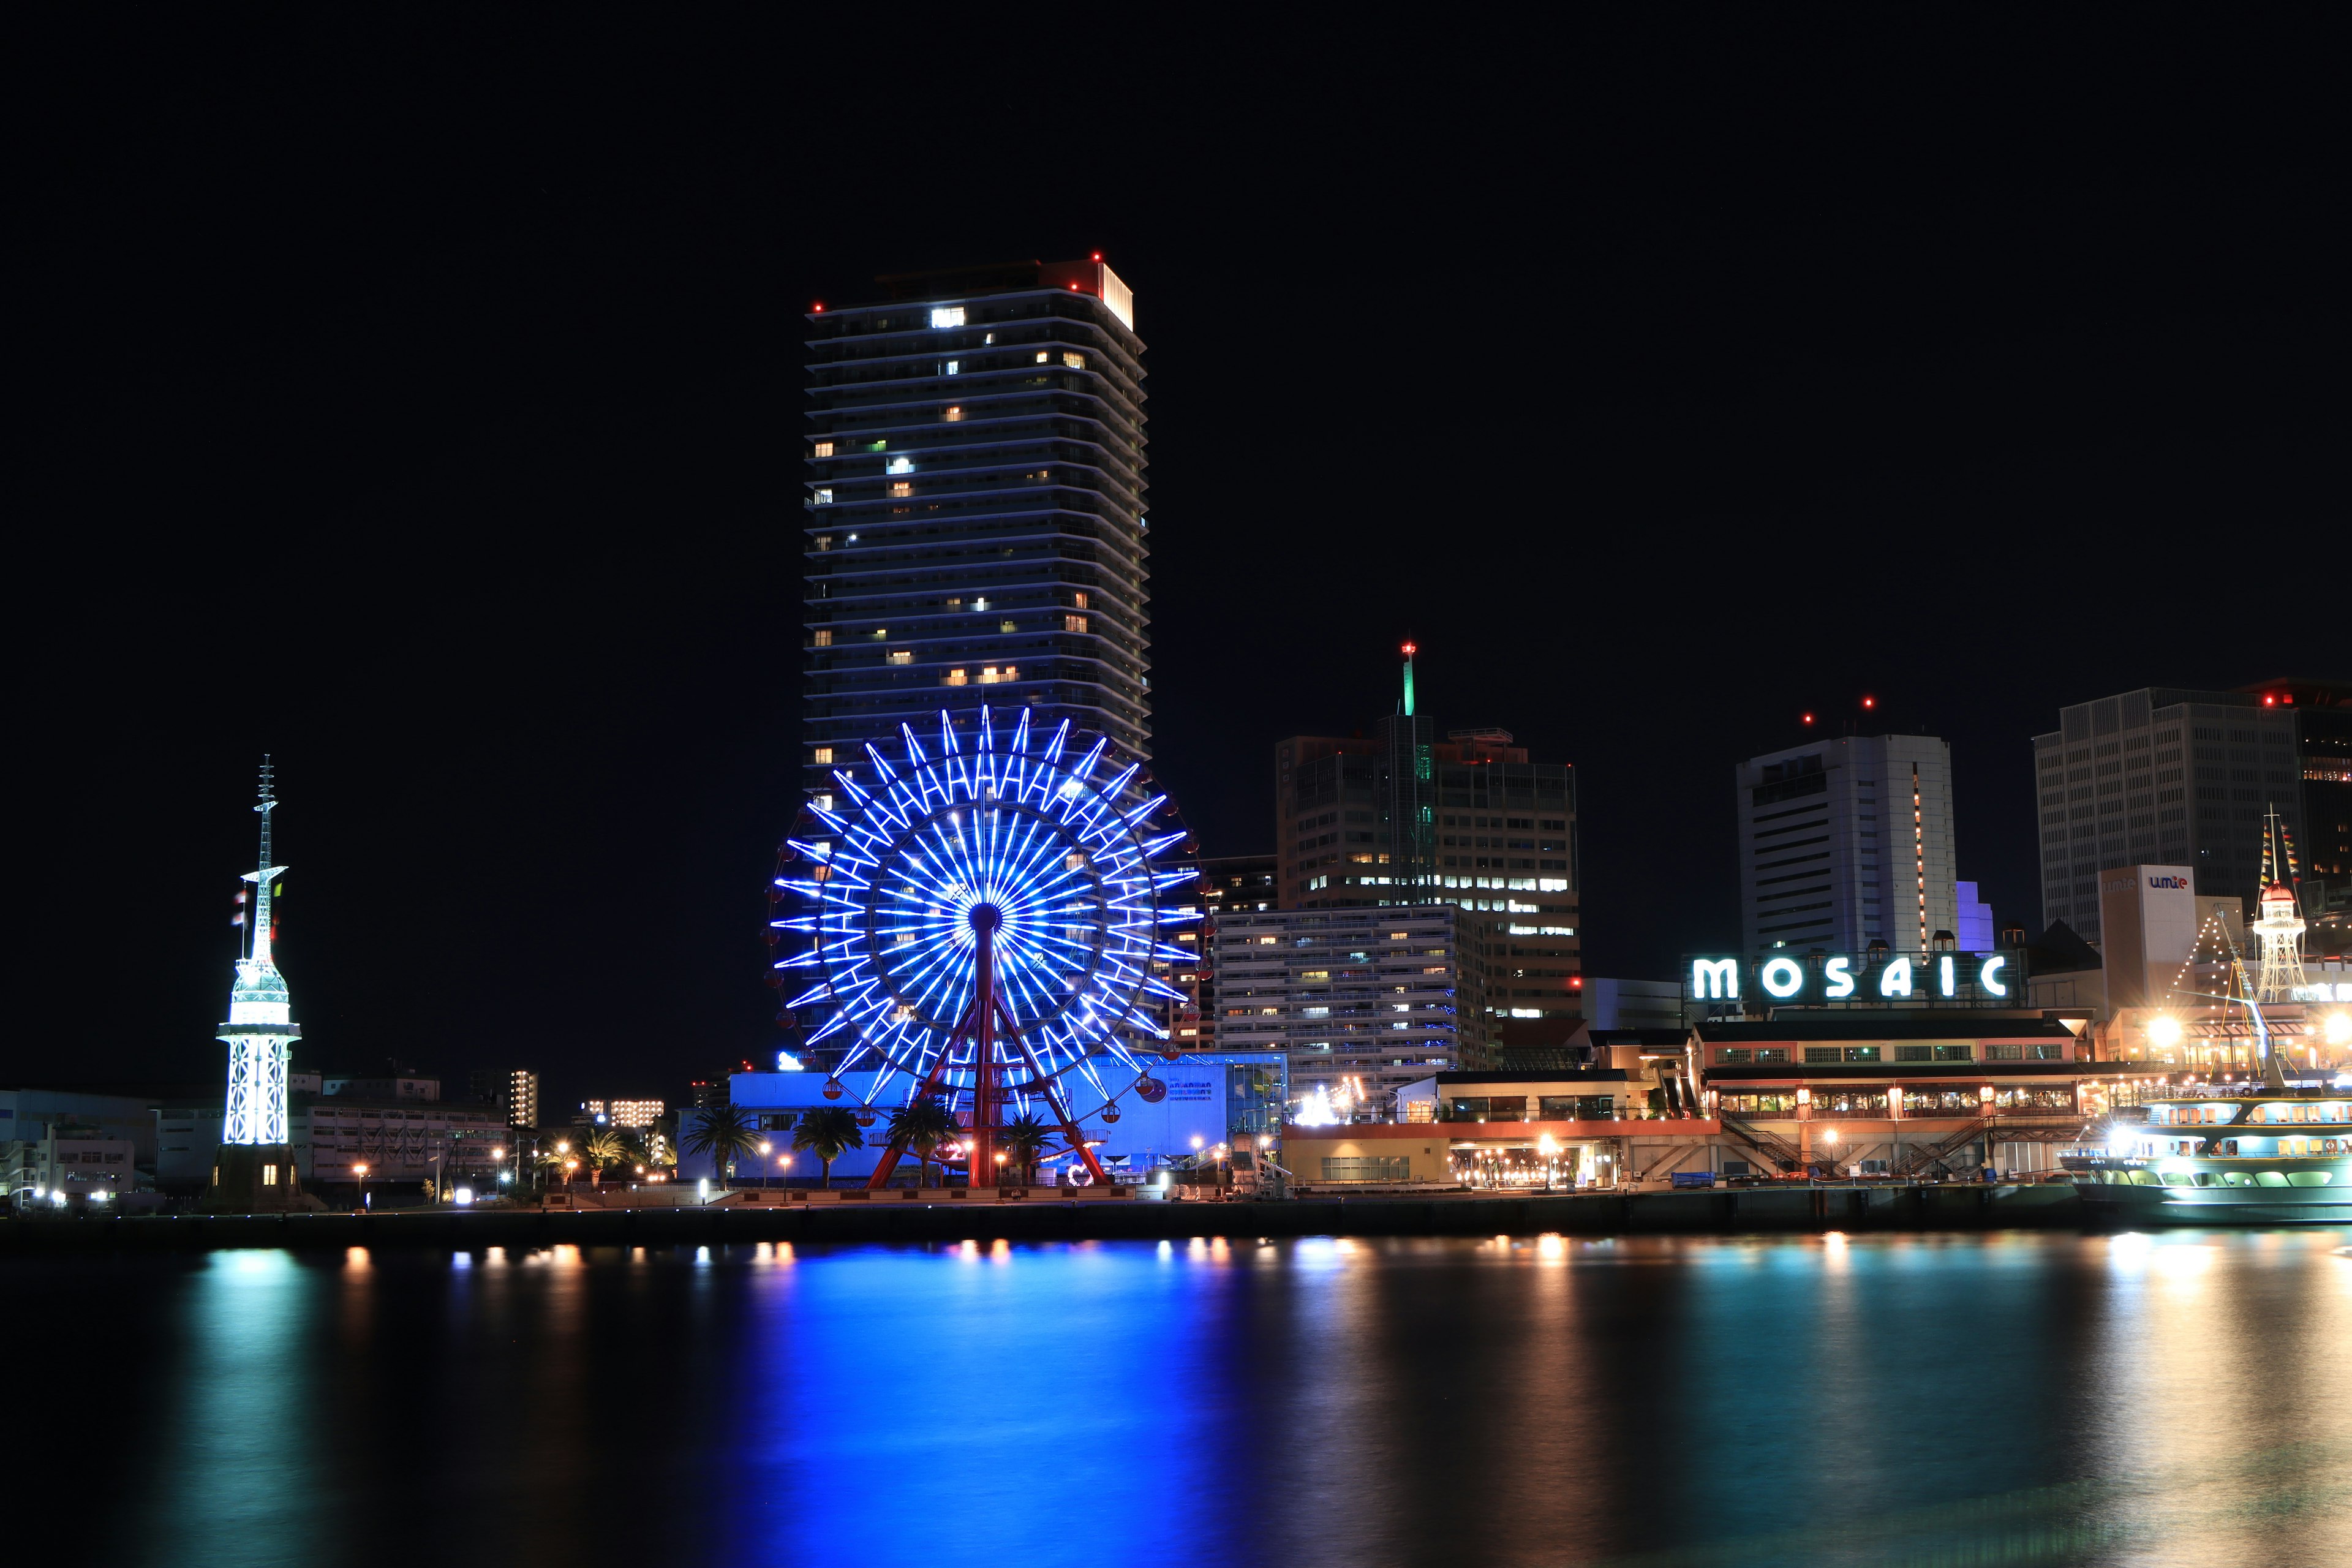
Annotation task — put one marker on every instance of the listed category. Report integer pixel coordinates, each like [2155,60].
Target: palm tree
[919,1128]
[722,1131]
[831,1131]
[559,1156]
[600,1149]
[1025,1138]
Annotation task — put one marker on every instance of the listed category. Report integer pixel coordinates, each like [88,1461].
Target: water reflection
[1824,1400]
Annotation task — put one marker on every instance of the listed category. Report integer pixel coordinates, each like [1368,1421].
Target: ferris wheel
[984,918]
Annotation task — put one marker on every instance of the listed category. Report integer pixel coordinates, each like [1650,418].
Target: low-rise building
[1905,1093]
[332,1136]
[68,1165]
[1562,1129]
[1207,1098]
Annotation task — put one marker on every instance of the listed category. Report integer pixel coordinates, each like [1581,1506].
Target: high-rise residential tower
[1845,841]
[2163,776]
[975,507]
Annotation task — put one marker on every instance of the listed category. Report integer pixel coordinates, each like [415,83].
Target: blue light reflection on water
[1819,1400]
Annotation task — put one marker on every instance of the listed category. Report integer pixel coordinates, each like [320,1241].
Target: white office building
[1362,1001]
[1845,841]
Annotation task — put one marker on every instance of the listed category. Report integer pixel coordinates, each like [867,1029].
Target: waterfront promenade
[1744,1209]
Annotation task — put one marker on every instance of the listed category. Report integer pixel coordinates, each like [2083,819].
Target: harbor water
[1868,1399]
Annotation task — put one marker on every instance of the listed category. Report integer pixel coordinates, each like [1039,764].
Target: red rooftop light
[1809,718]
[1869,702]
[1409,650]
[820,307]
[1097,256]
[2269,701]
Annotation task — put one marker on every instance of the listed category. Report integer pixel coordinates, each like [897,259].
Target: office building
[2323,869]
[975,507]
[2166,776]
[1845,841]
[1471,821]
[1361,1001]
[1500,834]
[1634,1004]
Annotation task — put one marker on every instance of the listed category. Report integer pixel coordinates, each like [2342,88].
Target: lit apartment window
[821,802]
[1045,358]
[1074,623]
[1079,599]
[953,366]
[1004,626]
[988,676]
[980,604]
[824,498]
[880,632]
[902,488]
[955,604]
[955,678]
[822,755]
[899,465]
[947,315]
[1076,362]
[822,449]
[902,656]
[952,413]
[824,636]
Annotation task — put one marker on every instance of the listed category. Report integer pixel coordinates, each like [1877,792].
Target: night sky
[418,400]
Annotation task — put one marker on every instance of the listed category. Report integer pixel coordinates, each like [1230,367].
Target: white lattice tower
[2279,924]
[260,1032]
[2281,928]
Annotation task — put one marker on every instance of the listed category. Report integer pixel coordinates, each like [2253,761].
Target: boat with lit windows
[2261,1156]
[2269,1152]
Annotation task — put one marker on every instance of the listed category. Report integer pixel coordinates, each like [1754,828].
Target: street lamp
[360,1171]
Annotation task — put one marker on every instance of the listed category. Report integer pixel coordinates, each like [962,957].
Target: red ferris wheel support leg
[987,1087]
[897,1150]
[1075,1139]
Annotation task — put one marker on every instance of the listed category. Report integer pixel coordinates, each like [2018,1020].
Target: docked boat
[2263,1156]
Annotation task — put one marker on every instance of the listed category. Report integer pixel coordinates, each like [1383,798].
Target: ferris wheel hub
[984,918]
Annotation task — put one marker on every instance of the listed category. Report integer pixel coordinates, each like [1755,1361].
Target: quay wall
[1750,1209]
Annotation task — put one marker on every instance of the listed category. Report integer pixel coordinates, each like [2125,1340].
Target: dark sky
[417,398]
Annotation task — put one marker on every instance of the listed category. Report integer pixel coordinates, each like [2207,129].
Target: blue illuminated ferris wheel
[984,918]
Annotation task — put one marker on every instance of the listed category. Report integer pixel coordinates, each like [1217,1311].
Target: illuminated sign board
[1858,980]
